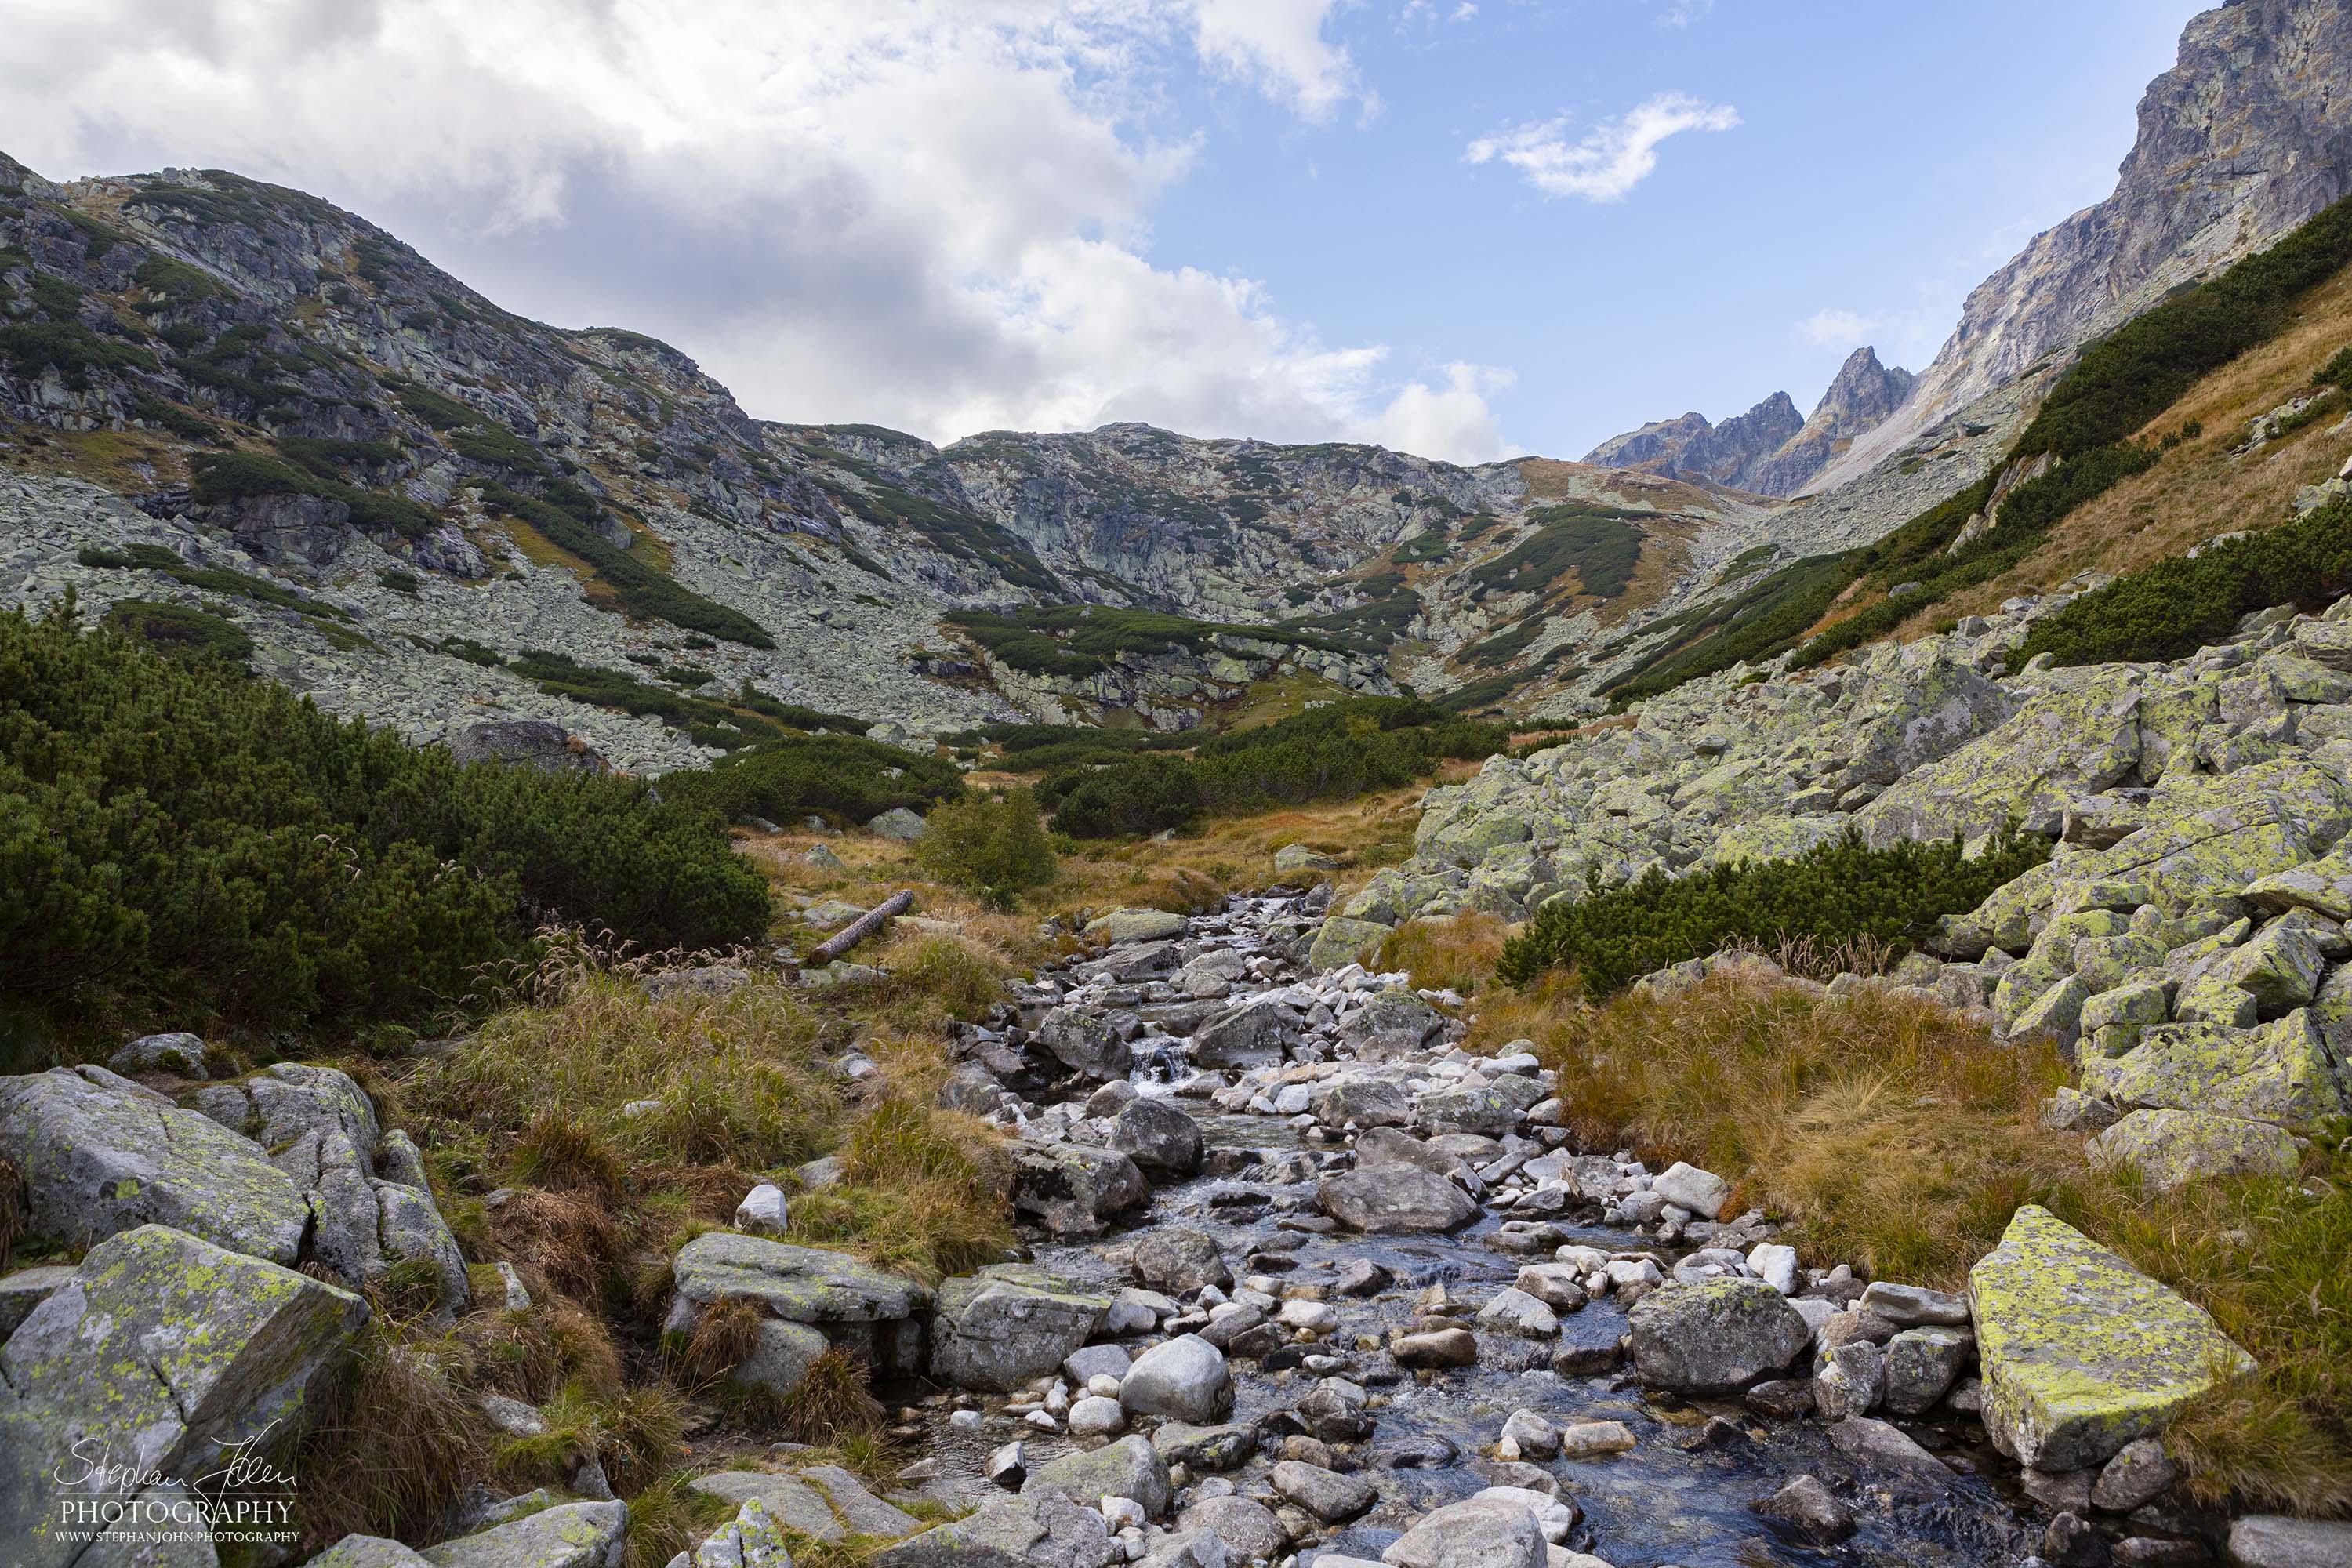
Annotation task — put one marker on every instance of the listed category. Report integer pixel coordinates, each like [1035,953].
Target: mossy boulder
[164,1353]
[2081,1352]
[569,1535]
[100,1154]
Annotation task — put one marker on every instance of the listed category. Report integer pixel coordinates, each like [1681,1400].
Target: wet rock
[1075,1189]
[1878,1446]
[1204,1450]
[1784,1398]
[1360,1277]
[1395,1200]
[1807,1507]
[1249,1033]
[1184,1379]
[1337,1411]
[1715,1338]
[1161,1139]
[1330,1497]
[1130,1468]
[2073,1541]
[1482,1531]
[1006,1324]
[2058,1491]
[2081,1352]
[1439,1348]
[1087,1042]
[1594,1439]
[1514,1311]
[1181,1260]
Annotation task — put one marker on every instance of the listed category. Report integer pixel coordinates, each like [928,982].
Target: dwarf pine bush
[198,846]
[1835,893]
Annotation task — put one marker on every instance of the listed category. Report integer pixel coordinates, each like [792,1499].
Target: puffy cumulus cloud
[1606,163]
[930,214]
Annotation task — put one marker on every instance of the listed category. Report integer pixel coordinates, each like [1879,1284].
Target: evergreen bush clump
[2177,605]
[1340,750]
[1835,893]
[994,849]
[846,777]
[186,846]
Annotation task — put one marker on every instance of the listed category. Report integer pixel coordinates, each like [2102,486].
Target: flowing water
[1675,1497]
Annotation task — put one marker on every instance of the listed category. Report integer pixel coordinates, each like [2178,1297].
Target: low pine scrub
[845,777]
[1333,753]
[188,844]
[1834,895]
[2174,607]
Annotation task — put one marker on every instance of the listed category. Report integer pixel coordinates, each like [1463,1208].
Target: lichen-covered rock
[2170,1148]
[2323,886]
[164,1353]
[2080,1352]
[1395,1200]
[1122,926]
[569,1535]
[1084,1040]
[864,1308]
[754,1538]
[999,1328]
[2281,1072]
[1717,1337]
[100,1154]
[1343,940]
[1047,1531]
[1246,1035]
[178,1055]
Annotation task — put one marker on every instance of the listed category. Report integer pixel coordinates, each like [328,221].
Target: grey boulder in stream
[1001,1327]
[1395,1200]
[1719,1337]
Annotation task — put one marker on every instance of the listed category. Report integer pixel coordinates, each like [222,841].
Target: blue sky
[1419,222]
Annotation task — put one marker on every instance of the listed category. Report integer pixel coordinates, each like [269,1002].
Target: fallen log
[859,930]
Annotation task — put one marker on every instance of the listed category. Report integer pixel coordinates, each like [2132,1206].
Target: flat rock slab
[800,1284]
[1010,1322]
[100,1154]
[860,1509]
[791,1500]
[2081,1352]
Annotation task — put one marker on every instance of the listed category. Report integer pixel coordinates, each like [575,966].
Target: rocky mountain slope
[406,495]
[2248,135]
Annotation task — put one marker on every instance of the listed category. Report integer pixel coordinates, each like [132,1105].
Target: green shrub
[1148,794]
[187,845]
[2337,372]
[846,777]
[1835,893]
[1597,543]
[994,849]
[235,476]
[2178,606]
[400,582]
[1335,752]
[181,629]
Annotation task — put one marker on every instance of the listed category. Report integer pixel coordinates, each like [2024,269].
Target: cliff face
[2246,137]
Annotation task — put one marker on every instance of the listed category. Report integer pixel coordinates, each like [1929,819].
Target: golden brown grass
[1458,951]
[390,1442]
[1893,1134]
[2199,489]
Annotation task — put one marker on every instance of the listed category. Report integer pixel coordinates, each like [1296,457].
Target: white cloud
[930,214]
[1610,160]
[1279,45]
[1464,12]
[1455,417]
[1836,329]
[1683,12]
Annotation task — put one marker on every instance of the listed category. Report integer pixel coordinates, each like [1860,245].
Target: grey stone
[177,1055]
[1330,1497]
[1482,1531]
[1249,1528]
[1161,1139]
[569,1535]
[1808,1507]
[1181,1259]
[1394,1200]
[2271,1540]
[1130,1468]
[1715,1338]
[1184,1379]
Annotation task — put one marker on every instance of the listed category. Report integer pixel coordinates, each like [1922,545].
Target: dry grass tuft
[12,1208]
[1457,952]
[391,1441]
[667,1516]
[923,1190]
[833,1405]
[725,1336]
[559,1150]
[568,1244]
